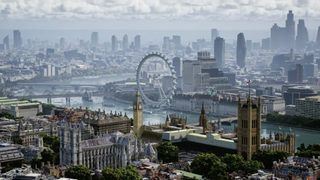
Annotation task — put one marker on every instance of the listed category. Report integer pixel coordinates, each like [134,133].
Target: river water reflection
[302,136]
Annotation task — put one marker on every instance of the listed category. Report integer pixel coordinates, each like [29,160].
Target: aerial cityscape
[157,90]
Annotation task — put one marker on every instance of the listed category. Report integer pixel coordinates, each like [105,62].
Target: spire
[167,118]
[202,109]
[138,93]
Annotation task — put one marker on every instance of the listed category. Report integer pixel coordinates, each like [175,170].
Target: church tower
[249,128]
[137,114]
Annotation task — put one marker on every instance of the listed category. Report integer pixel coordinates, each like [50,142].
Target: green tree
[40,114]
[11,165]
[253,166]
[267,157]
[49,156]
[218,171]
[17,141]
[310,151]
[234,162]
[7,115]
[51,141]
[127,173]
[168,152]
[79,172]
[203,162]
[34,162]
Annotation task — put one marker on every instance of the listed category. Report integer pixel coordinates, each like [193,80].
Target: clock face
[134,106]
[140,106]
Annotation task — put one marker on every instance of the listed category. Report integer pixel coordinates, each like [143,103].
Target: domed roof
[189,49]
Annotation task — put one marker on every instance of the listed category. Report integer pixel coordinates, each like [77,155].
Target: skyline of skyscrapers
[302,35]
[241,50]
[94,39]
[17,39]
[114,43]
[219,51]
[125,42]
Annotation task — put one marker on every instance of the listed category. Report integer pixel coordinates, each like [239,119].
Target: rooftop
[26,104]
[188,174]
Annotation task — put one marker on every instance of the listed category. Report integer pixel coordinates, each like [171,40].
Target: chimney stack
[80,108]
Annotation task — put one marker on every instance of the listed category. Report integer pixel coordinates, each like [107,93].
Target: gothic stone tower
[137,114]
[249,128]
[203,120]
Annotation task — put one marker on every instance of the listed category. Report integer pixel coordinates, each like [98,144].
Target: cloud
[166,10]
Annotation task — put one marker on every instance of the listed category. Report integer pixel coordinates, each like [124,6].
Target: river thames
[302,136]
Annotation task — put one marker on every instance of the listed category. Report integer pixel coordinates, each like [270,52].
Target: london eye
[164,97]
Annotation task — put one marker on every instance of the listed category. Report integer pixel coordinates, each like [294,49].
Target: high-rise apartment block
[241,50]
[296,75]
[214,35]
[114,43]
[6,42]
[176,40]
[318,38]
[302,35]
[190,69]
[137,42]
[62,42]
[178,64]
[125,42]
[219,51]
[94,39]
[17,39]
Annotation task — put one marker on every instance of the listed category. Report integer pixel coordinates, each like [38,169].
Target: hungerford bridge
[85,93]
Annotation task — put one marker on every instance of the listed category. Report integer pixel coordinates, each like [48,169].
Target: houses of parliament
[244,140]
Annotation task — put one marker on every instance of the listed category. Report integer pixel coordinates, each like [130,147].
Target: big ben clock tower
[137,114]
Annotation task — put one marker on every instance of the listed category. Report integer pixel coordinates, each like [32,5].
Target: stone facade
[113,151]
[249,128]
[29,131]
[107,123]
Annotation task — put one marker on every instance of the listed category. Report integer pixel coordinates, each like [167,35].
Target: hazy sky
[154,14]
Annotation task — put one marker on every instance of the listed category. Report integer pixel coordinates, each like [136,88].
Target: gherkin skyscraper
[241,50]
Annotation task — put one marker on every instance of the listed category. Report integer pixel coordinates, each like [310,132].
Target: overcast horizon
[155,14]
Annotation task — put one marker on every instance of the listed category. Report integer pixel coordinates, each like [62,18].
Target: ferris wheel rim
[171,92]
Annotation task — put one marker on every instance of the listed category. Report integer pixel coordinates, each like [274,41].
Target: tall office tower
[290,31]
[62,42]
[16,39]
[266,44]
[189,71]
[176,40]
[137,42]
[214,35]
[249,45]
[125,42]
[6,42]
[241,50]
[317,40]
[114,43]
[166,43]
[177,63]
[296,75]
[279,37]
[302,35]
[249,128]
[94,39]
[219,51]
